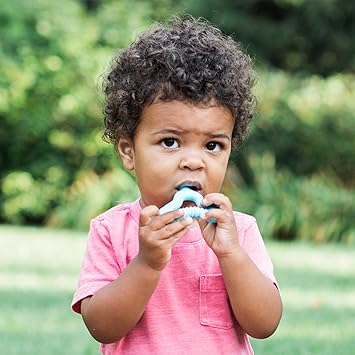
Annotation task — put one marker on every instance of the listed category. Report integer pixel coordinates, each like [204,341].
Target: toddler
[177,101]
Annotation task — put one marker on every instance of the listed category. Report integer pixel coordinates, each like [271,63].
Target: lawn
[38,272]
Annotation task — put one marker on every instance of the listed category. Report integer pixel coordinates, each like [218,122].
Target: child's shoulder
[120,209]
[118,213]
[243,219]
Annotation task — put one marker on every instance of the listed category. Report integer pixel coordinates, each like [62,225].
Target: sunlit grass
[39,269]
[318,289]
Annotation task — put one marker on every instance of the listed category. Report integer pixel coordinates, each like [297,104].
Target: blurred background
[295,172]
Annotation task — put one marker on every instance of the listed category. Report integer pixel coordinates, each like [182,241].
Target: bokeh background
[295,172]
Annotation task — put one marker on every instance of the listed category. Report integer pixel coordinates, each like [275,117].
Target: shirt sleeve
[100,266]
[254,246]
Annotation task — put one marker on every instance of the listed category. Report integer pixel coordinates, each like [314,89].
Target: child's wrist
[236,254]
[147,267]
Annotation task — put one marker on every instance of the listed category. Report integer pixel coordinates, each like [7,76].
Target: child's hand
[221,236]
[158,234]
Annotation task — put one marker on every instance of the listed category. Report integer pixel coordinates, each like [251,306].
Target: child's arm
[255,300]
[115,309]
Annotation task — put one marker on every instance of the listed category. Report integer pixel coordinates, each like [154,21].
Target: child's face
[177,144]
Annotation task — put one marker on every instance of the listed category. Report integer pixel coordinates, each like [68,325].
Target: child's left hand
[221,236]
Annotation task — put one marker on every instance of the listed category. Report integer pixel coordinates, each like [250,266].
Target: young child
[177,100]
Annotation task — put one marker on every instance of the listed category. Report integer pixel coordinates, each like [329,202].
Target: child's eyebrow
[180,131]
[220,135]
[169,131]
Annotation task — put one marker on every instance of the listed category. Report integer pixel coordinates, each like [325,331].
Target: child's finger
[176,228]
[218,199]
[147,213]
[220,215]
[151,215]
[167,218]
[177,236]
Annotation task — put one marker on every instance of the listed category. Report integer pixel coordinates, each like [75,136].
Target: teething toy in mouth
[187,194]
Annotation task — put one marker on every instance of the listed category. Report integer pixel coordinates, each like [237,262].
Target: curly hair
[186,59]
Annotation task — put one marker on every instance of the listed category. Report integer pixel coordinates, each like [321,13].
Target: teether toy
[187,194]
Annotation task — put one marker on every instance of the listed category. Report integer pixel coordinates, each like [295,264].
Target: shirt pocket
[214,305]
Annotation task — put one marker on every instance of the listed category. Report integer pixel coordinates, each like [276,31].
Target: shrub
[90,195]
[308,124]
[52,54]
[315,208]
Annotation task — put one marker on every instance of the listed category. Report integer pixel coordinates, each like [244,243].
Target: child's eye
[214,146]
[169,143]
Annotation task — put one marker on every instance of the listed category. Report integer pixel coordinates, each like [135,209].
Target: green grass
[39,268]
[38,273]
[318,289]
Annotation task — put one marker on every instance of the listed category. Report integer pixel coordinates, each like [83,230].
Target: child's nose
[192,160]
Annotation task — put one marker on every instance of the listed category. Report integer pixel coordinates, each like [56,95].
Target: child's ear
[126,151]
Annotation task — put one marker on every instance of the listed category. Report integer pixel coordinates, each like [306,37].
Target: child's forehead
[184,117]
[181,107]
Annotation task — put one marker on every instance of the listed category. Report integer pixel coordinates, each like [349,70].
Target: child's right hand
[158,234]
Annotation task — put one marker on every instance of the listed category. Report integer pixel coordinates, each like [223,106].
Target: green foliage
[50,111]
[286,207]
[49,104]
[301,150]
[92,194]
[55,169]
[308,124]
[26,199]
[294,35]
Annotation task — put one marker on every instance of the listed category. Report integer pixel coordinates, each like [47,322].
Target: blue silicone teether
[186,194]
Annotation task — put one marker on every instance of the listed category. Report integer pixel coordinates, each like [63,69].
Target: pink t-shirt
[189,312]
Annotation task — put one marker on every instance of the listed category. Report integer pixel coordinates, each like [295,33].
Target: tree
[293,35]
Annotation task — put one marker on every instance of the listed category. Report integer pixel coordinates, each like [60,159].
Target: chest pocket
[214,305]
